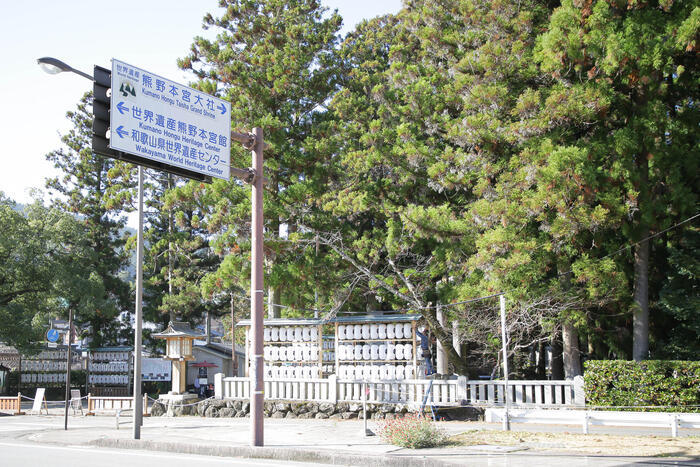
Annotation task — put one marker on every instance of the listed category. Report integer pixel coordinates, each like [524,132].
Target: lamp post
[54,66]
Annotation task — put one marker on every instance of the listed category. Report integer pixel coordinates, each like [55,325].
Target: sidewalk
[309,441]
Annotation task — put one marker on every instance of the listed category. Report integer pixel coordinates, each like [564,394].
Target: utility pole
[256,292]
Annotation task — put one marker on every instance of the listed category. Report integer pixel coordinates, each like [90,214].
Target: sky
[150,34]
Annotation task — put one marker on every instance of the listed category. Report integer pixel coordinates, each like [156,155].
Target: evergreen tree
[633,63]
[85,190]
[274,61]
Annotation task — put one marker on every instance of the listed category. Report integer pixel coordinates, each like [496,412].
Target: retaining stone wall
[216,408]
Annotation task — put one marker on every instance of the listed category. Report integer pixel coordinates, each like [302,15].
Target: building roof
[222,350]
[284,322]
[178,329]
[376,318]
[369,318]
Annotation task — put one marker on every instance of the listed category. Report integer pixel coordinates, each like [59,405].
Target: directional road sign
[160,120]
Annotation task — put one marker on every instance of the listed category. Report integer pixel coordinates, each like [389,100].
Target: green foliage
[45,268]
[672,386]
[95,190]
[275,61]
[413,432]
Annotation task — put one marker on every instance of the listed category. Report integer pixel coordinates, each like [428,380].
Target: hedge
[672,386]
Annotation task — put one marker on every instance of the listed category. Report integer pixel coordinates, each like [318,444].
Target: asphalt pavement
[341,442]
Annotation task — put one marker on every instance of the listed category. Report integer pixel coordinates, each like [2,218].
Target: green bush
[652,385]
[413,431]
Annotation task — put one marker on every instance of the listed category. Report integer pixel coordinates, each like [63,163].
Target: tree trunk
[441,359]
[640,327]
[640,307]
[274,295]
[571,353]
[557,362]
[445,340]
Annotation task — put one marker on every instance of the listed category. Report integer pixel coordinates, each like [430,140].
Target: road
[19,454]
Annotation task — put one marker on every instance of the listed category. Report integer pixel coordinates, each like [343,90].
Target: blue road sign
[158,119]
[52,335]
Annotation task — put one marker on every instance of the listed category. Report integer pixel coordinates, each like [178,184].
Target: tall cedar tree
[274,60]
[83,190]
[638,61]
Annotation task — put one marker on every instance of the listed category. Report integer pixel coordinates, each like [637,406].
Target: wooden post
[415,352]
[335,350]
[320,350]
[19,404]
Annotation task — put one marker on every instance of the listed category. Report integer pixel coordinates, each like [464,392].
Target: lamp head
[52,65]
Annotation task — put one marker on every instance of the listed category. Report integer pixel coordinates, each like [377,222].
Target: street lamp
[54,66]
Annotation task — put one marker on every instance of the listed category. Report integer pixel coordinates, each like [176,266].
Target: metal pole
[256,294]
[70,341]
[506,418]
[138,401]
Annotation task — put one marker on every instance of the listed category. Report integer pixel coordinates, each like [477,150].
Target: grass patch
[646,446]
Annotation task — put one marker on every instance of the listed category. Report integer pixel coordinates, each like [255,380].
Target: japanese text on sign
[160,120]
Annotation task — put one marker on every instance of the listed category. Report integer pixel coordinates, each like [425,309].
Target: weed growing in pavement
[414,431]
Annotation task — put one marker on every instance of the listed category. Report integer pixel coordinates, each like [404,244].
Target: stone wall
[217,408]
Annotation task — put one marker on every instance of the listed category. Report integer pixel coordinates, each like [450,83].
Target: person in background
[425,348]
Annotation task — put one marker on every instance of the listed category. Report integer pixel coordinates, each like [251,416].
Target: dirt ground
[652,446]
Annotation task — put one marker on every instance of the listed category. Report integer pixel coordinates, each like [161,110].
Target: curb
[273,453]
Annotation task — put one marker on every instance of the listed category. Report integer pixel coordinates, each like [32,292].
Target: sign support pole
[68,362]
[138,401]
[256,292]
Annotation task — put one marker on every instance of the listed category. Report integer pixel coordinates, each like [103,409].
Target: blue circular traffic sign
[52,335]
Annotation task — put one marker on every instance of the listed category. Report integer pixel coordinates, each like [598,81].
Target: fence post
[674,425]
[462,390]
[19,404]
[145,404]
[90,405]
[333,388]
[579,392]
[219,386]
[586,416]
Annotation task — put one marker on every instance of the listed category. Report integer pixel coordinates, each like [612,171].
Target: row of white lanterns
[43,365]
[290,334]
[376,372]
[114,367]
[109,379]
[375,331]
[43,377]
[295,372]
[375,352]
[291,353]
[110,356]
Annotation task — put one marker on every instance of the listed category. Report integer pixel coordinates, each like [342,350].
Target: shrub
[672,386]
[414,431]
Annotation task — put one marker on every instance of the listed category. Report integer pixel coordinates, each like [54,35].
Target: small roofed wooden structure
[178,338]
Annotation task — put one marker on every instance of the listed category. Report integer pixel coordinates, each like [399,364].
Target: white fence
[454,392]
[587,418]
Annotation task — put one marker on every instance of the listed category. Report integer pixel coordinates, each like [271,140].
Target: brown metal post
[256,293]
